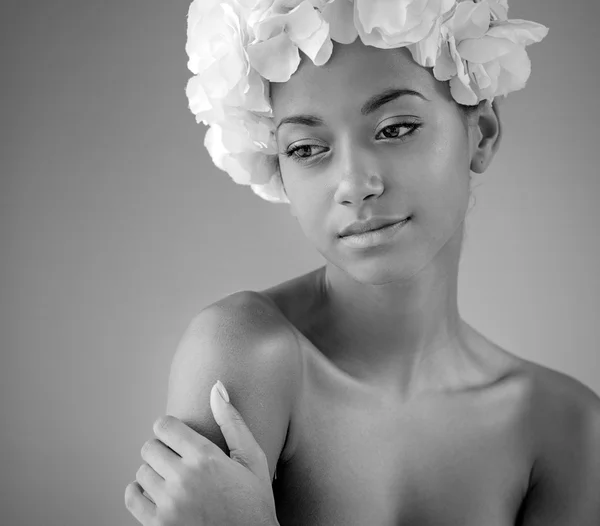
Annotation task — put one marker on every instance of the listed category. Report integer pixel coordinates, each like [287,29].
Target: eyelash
[413,127]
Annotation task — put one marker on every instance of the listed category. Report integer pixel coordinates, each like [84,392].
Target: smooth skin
[360,381]
[188,481]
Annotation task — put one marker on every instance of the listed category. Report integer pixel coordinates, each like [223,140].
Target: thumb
[243,447]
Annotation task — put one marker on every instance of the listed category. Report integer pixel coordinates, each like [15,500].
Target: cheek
[442,172]
[310,210]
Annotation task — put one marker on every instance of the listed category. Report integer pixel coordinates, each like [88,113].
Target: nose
[360,180]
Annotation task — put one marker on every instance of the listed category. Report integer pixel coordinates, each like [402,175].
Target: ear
[485,134]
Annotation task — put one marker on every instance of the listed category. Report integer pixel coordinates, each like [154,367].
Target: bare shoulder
[245,314]
[252,335]
[240,341]
[563,417]
[557,394]
[548,391]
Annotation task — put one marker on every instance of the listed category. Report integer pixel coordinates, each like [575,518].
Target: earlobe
[489,134]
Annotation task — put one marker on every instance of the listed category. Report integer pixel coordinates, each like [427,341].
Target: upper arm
[241,343]
[565,480]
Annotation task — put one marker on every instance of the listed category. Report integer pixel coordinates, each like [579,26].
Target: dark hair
[467,109]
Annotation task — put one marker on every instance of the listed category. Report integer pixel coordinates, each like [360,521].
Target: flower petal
[198,101]
[274,190]
[315,44]
[319,46]
[499,9]
[479,75]
[445,66]
[521,32]
[516,69]
[396,23]
[426,51]
[470,20]
[275,59]
[214,144]
[236,165]
[461,93]
[485,49]
[339,14]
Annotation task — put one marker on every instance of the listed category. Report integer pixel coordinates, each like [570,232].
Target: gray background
[116,229]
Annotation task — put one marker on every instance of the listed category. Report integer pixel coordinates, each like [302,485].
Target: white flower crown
[237,47]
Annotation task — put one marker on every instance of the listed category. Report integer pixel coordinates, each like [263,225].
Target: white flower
[281,28]
[339,14]
[499,9]
[244,146]
[223,76]
[273,191]
[394,23]
[426,51]
[483,58]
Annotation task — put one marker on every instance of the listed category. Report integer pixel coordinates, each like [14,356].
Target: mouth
[397,223]
[374,238]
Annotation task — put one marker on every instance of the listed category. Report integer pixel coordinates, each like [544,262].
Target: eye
[410,126]
[292,151]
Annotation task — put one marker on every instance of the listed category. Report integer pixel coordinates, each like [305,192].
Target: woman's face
[408,157]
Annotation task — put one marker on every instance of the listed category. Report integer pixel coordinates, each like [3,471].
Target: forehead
[353,73]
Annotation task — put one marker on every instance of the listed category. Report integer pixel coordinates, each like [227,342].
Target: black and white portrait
[300,263]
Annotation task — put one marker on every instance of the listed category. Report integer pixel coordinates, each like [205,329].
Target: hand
[194,483]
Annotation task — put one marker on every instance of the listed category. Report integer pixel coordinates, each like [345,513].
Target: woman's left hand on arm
[192,482]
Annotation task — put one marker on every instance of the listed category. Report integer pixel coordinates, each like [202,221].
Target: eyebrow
[371,105]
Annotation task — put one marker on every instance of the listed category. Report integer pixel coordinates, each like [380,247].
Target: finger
[143,509]
[242,445]
[181,438]
[150,481]
[161,458]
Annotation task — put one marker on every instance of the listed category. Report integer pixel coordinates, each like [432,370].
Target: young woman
[371,397]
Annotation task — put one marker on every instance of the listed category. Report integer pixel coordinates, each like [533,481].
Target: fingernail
[222,391]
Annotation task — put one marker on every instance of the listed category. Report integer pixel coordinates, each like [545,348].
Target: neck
[400,330]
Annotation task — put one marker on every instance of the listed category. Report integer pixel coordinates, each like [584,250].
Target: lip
[371,224]
[374,237]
